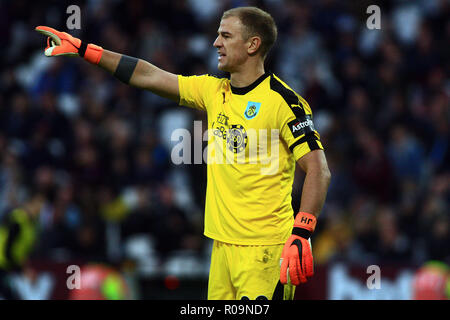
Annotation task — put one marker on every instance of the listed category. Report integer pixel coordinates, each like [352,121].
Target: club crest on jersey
[252,110]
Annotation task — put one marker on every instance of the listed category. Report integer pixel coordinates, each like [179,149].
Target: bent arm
[316,182]
[144,75]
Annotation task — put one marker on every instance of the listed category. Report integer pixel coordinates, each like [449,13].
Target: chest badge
[252,110]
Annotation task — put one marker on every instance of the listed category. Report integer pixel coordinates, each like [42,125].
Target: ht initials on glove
[63,44]
[296,259]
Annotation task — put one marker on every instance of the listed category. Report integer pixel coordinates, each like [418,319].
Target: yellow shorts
[246,272]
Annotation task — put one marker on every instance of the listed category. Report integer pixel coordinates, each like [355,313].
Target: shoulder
[213,78]
[206,80]
[218,77]
[287,97]
[284,92]
[204,77]
[218,80]
[195,86]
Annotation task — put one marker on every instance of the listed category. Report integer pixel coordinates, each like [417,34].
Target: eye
[225,35]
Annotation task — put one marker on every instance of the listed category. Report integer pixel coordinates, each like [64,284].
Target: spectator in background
[406,154]
[433,218]
[372,170]
[174,229]
[392,245]
[12,191]
[301,50]
[18,235]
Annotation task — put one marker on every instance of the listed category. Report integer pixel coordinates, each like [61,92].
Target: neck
[246,75]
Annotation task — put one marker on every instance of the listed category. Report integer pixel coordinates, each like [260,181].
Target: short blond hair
[256,22]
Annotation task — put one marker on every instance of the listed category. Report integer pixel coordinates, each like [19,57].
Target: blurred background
[89,158]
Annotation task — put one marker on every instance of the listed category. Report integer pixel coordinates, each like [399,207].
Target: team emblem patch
[237,138]
[252,110]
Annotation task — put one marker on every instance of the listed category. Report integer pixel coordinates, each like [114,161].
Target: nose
[217,43]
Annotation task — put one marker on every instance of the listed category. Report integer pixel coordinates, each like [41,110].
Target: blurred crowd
[99,152]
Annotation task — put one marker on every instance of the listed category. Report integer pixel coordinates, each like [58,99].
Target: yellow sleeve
[297,128]
[197,91]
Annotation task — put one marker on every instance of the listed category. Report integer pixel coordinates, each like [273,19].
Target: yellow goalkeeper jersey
[255,136]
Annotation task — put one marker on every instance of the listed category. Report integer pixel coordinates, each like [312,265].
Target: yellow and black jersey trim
[297,107]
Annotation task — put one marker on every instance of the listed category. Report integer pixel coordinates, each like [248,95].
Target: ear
[254,44]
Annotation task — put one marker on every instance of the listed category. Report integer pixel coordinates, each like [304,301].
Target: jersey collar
[247,89]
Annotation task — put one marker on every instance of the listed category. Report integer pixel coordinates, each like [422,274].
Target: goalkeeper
[258,244]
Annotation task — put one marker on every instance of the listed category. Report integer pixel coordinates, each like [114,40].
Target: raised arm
[130,70]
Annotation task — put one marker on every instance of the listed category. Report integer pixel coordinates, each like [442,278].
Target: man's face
[231,47]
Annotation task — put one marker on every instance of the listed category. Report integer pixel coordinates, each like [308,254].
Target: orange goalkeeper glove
[296,259]
[63,44]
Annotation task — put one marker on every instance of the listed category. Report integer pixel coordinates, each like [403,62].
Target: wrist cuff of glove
[301,232]
[304,225]
[90,52]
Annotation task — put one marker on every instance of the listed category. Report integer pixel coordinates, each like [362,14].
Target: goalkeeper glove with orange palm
[297,263]
[63,44]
